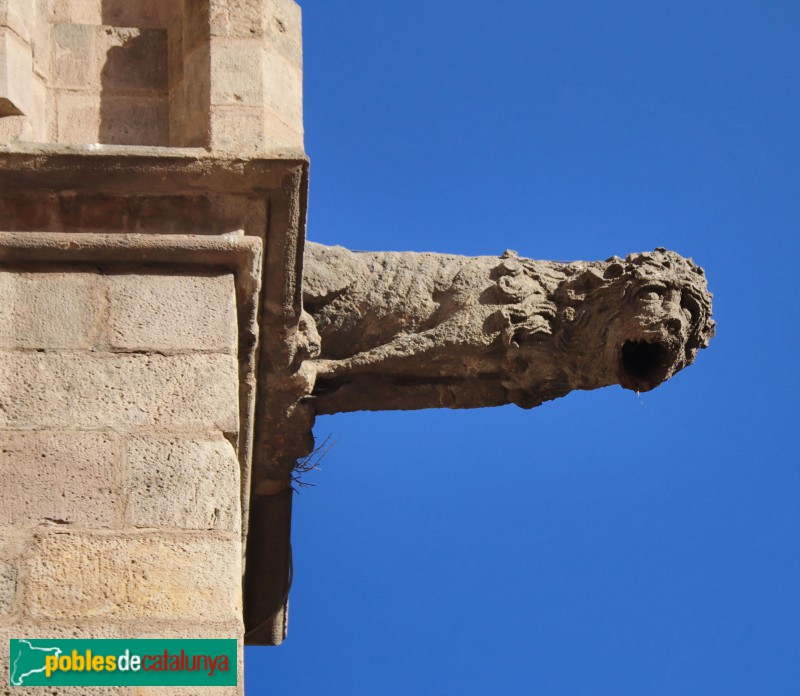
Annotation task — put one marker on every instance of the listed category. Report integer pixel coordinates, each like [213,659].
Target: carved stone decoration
[421,330]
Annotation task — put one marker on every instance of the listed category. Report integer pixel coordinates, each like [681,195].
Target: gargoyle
[422,330]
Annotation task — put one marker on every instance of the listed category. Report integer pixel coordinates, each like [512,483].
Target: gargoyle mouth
[644,364]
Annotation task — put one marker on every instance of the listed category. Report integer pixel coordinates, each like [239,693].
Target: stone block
[142,13]
[59,477]
[15,129]
[238,129]
[283,91]
[131,59]
[134,120]
[78,117]
[95,390]
[283,30]
[172,312]
[84,118]
[77,11]
[73,58]
[279,134]
[16,73]
[50,310]
[238,18]
[237,74]
[175,577]
[20,17]
[188,484]
[276,23]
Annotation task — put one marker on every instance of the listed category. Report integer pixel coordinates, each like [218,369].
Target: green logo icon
[122,662]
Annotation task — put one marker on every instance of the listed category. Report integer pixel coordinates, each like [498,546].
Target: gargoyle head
[651,313]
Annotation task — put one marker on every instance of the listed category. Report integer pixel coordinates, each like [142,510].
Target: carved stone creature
[422,330]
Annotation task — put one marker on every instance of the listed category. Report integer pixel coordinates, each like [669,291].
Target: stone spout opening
[644,365]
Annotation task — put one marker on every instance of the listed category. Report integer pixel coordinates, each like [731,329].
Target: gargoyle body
[420,330]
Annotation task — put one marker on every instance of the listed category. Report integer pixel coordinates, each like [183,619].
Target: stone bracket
[133,201]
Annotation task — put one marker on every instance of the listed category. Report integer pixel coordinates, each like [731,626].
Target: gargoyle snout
[674,326]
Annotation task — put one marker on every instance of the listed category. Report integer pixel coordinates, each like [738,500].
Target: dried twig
[311,462]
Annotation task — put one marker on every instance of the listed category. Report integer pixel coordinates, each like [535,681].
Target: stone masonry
[120,481]
[152,206]
[220,74]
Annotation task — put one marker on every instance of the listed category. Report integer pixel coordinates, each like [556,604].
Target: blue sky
[604,543]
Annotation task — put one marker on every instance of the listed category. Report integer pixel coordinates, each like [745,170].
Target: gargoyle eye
[690,306]
[615,270]
[651,293]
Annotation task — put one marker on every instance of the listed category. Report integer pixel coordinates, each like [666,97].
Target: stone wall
[119,483]
[220,74]
[153,189]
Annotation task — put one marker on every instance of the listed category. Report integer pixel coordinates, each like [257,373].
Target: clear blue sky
[602,544]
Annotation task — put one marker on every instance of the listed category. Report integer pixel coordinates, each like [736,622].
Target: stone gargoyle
[423,330]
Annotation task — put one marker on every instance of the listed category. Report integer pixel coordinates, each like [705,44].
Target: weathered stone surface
[38,109]
[72,64]
[76,11]
[19,16]
[59,477]
[172,312]
[283,93]
[14,129]
[49,310]
[406,330]
[77,117]
[169,576]
[182,483]
[8,586]
[133,120]
[142,13]
[242,128]
[131,59]
[16,73]
[238,75]
[109,84]
[86,390]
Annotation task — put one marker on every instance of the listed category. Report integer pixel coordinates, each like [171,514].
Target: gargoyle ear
[590,279]
[515,288]
[506,322]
